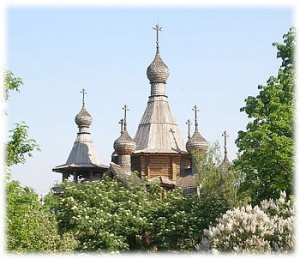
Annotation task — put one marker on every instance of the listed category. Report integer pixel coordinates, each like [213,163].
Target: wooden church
[158,150]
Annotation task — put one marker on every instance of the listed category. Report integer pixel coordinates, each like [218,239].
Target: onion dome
[83,118]
[124,145]
[158,71]
[196,142]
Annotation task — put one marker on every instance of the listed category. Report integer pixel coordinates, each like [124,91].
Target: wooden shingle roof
[83,153]
[158,131]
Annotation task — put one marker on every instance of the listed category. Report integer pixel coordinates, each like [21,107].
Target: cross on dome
[125,108]
[83,119]
[225,135]
[157,71]
[83,93]
[157,28]
[189,128]
[195,109]
[196,142]
[122,125]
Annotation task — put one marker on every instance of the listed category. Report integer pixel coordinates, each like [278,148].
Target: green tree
[214,181]
[19,144]
[106,216]
[266,147]
[29,227]
[180,219]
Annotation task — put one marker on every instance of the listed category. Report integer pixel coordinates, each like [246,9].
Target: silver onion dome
[124,145]
[158,71]
[83,118]
[196,142]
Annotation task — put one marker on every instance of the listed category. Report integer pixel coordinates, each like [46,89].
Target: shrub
[266,228]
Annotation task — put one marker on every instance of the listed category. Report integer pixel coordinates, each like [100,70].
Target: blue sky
[217,56]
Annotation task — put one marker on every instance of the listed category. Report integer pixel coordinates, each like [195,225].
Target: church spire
[158,131]
[83,161]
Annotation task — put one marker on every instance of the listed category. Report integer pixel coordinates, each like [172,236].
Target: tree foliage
[30,228]
[11,82]
[180,220]
[215,182]
[19,144]
[266,147]
[106,216]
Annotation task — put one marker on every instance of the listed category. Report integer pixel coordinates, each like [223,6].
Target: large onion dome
[158,71]
[83,118]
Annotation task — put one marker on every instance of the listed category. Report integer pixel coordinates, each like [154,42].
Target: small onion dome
[83,118]
[124,145]
[158,71]
[196,142]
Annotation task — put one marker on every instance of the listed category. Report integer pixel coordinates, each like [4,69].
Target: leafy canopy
[266,147]
[107,217]
[29,227]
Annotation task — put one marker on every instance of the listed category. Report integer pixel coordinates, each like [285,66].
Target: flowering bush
[108,217]
[261,229]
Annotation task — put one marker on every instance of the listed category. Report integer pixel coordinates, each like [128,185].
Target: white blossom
[261,229]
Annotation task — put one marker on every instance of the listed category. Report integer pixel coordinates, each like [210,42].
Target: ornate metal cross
[195,109]
[83,93]
[225,135]
[157,28]
[125,108]
[122,125]
[189,128]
